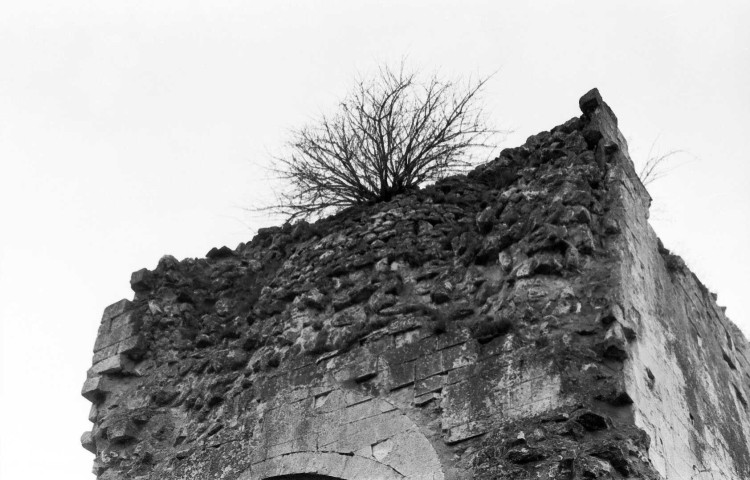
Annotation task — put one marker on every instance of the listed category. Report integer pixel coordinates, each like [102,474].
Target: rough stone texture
[521,322]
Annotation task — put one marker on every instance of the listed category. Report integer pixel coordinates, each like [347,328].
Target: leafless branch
[391,134]
[656,165]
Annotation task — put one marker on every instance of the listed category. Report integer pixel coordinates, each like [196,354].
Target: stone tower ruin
[519,322]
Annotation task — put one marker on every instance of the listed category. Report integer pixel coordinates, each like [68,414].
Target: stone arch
[343,434]
[318,465]
[303,476]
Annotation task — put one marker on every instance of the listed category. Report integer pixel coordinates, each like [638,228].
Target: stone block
[116,309]
[431,384]
[611,226]
[424,347]
[93,413]
[426,398]
[590,101]
[104,353]
[485,220]
[280,449]
[460,355]
[92,389]
[380,345]
[430,365]
[624,323]
[615,344]
[306,376]
[266,387]
[403,325]
[451,338]
[518,395]
[406,337]
[459,374]
[117,329]
[370,408]
[258,453]
[523,269]
[581,238]
[133,347]
[401,374]
[351,436]
[381,450]
[409,453]
[612,314]
[124,326]
[340,399]
[114,364]
[466,431]
[141,281]
[505,261]
[219,253]
[122,431]
[466,401]
[534,408]
[321,399]
[312,299]
[364,369]
[87,442]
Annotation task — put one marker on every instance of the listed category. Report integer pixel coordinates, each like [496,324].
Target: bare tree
[391,134]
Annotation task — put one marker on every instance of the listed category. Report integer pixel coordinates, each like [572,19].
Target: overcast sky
[130,130]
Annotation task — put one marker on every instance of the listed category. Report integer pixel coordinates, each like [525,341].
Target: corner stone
[92,389]
[116,309]
[590,101]
[113,364]
[87,442]
[140,281]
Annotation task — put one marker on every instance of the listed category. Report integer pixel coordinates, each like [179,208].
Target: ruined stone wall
[520,322]
[689,373]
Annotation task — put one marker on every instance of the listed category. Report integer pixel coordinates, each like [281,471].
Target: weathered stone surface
[92,389]
[590,102]
[113,364]
[87,442]
[519,322]
[117,329]
[121,430]
[141,281]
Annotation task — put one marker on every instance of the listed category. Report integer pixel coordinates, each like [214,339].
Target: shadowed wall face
[518,322]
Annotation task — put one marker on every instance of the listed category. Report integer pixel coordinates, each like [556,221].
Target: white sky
[129,130]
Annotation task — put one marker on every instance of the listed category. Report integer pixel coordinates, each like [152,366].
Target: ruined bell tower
[519,322]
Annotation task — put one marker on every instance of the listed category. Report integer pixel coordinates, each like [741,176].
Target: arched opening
[321,466]
[303,476]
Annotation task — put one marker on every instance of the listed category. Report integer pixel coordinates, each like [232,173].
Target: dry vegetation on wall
[391,134]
